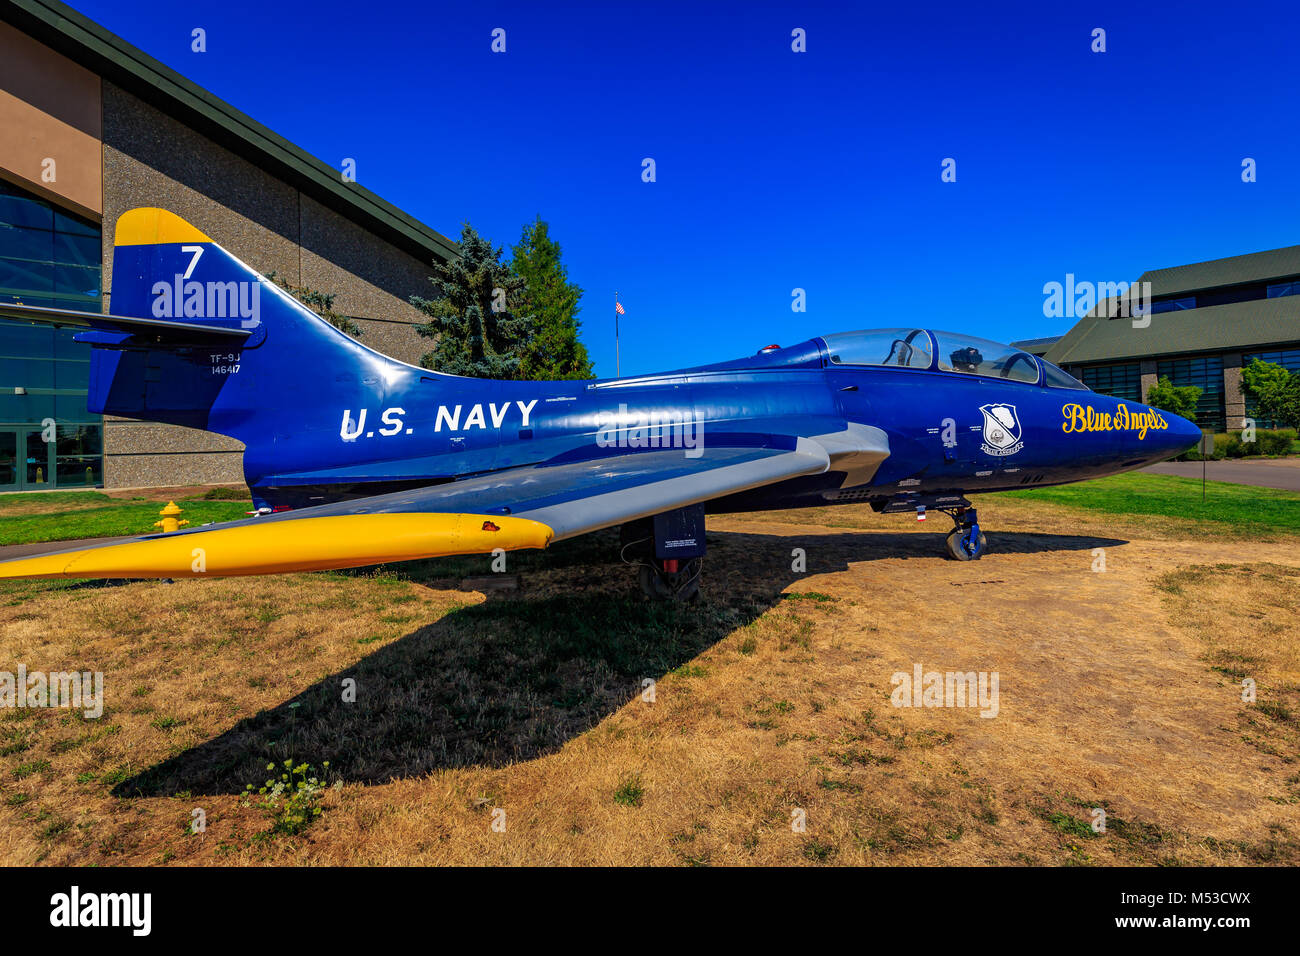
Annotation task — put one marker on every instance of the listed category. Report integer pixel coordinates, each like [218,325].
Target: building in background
[1207,321]
[93,127]
[1037,347]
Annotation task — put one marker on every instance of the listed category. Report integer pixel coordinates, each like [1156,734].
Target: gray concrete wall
[1147,369]
[152,160]
[1234,400]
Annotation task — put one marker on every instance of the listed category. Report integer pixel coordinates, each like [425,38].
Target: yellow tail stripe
[148,226]
[274,547]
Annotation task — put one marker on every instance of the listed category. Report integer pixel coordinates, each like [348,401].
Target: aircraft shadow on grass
[516,677]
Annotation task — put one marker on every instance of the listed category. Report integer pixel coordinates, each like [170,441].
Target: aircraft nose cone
[1181,434]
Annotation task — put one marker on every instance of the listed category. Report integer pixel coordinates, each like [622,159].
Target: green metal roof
[1252,267]
[87,43]
[1237,326]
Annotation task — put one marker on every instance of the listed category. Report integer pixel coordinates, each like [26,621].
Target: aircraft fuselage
[396,426]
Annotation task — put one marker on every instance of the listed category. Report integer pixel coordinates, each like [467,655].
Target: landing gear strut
[966,541]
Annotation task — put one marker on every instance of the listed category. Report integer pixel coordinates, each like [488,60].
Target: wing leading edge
[518,508]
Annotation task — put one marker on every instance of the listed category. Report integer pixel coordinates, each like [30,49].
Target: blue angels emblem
[1001,430]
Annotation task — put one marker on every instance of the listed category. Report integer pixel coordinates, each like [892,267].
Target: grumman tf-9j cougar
[356,459]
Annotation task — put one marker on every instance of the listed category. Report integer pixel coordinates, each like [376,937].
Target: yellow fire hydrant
[169,522]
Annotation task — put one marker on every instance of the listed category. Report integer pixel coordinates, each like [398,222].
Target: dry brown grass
[772,694]
[1247,617]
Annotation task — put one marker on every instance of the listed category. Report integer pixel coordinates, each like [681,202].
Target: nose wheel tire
[964,546]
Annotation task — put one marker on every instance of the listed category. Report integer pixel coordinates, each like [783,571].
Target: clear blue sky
[778,170]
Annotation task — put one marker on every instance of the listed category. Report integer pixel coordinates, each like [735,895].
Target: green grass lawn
[1238,509]
[67,515]
[1241,507]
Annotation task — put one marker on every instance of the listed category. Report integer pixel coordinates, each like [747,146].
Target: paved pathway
[1281,473]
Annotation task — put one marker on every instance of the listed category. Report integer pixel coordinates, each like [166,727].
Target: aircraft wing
[526,507]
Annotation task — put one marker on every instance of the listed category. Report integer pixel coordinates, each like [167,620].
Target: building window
[1289,359]
[1173,305]
[1207,375]
[1279,289]
[1121,381]
[47,257]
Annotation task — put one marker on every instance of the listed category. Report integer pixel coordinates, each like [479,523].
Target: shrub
[226,494]
[1276,441]
[1221,445]
[1232,448]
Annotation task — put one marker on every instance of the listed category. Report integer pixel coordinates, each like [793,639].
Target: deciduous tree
[1276,389]
[1179,399]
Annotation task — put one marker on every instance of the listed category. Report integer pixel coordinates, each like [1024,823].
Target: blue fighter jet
[356,459]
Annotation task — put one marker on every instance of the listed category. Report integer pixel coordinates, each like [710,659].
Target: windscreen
[1056,378]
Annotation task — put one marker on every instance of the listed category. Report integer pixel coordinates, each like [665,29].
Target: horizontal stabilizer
[161,331]
[272,547]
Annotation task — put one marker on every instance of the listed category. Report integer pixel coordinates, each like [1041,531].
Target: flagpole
[616,361]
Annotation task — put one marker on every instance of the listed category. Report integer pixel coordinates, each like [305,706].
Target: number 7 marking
[198,252]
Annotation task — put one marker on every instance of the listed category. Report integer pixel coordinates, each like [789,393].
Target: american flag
[618,307]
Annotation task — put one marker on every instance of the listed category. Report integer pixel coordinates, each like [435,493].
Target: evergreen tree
[554,352]
[322,303]
[477,321]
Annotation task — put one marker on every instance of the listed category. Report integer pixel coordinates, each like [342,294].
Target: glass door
[40,461]
[9,472]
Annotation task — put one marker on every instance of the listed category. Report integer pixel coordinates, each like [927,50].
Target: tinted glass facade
[1122,381]
[47,257]
[1207,375]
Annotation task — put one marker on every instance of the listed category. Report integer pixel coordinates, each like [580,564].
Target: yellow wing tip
[278,547]
[148,226]
[516,533]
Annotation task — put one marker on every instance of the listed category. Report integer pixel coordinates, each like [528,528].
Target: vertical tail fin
[167,270]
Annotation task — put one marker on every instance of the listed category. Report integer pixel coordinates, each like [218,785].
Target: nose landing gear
[966,541]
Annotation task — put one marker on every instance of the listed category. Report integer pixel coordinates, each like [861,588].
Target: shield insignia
[1001,426]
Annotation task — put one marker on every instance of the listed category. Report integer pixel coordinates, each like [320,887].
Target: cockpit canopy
[963,353]
[944,351]
[908,348]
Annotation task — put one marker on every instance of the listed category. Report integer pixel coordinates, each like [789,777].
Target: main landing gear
[671,580]
[668,552]
[966,541]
